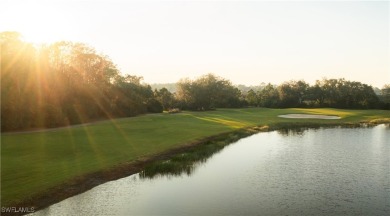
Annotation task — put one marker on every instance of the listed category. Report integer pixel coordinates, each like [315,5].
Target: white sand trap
[308,116]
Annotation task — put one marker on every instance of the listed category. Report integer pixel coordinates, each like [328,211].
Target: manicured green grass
[34,162]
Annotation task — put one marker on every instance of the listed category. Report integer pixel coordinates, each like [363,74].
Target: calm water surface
[336,171]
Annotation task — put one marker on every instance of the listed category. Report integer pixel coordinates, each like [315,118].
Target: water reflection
[300,131]
[332,171]
[182,164]
[294,131]
[187,163]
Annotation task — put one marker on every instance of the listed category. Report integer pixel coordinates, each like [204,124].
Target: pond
[326,171]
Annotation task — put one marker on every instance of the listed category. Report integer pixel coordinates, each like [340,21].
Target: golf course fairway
[35,163]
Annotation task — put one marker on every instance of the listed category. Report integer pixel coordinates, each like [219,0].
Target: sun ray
[112,120]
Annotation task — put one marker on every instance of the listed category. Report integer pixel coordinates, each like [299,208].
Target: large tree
[166,98]
[269,96]
[18,81]
[252,98]
[292,93]
[386,93]
[207,92]
[132,97]
[340,93]
[385,96]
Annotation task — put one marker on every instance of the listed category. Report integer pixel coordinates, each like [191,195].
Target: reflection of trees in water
[185,163]
[300,131]
[292,132]
[168,168]
[295,131]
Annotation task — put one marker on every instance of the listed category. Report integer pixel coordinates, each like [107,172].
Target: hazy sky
[246,42]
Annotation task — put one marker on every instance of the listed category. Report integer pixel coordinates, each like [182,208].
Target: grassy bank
[35,162]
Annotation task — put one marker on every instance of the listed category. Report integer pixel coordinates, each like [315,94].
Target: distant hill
[377,91]
[170,86]
[244,88]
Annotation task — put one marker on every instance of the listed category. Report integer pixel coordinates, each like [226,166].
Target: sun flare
[41,36]
[38,23]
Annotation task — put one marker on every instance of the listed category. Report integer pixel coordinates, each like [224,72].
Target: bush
[154,106]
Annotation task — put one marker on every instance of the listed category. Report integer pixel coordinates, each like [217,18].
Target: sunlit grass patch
[380,121]
[328,111]
[230,123]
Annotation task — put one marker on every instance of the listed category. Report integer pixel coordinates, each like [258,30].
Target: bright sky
[246,42]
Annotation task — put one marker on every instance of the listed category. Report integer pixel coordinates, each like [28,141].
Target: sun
[38,23]
[41,36]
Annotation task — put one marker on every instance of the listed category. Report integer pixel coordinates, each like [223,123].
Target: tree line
[67,83]
[336,93]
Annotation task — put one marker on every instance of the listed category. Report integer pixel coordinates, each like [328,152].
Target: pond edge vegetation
[88,181]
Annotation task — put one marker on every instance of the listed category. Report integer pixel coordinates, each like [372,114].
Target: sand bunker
[308,116]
